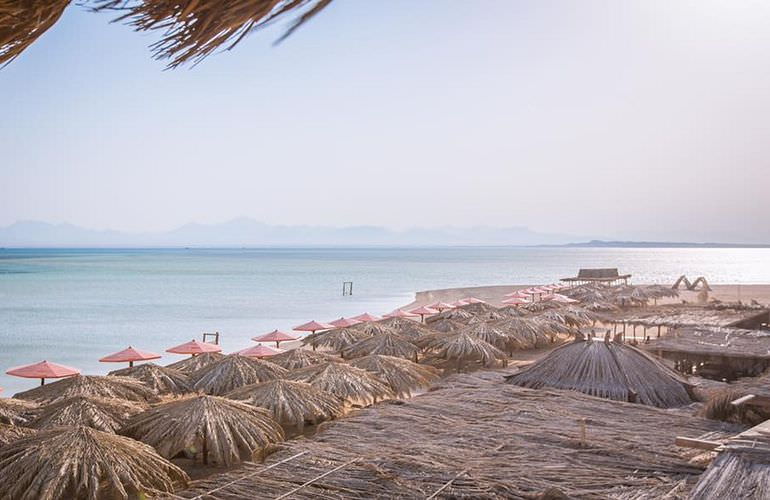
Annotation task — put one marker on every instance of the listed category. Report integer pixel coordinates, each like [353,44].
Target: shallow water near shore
[74,306]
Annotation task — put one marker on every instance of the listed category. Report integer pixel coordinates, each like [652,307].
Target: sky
[645,119]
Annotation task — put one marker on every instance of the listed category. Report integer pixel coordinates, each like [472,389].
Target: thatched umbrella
[235,371]
[403,376]
[387,344]
[525,331]
[459,314]
[406,327]
[491,334]
[336,339]
[10,433]
[300,358]
[106,415]
[446,325]
[80,462]
[161,379]
[462,347]
[610,370]
[16,411]
[91,385]
[223,431]
[351,384]
[370,328]
[195,363]
[291,402]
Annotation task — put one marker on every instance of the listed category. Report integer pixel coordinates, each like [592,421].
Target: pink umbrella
[557,297]
[521,294]
[313,326]
[400,313]
[423,311]
[129,355]
[344,322]
[440,306]
[276,336]
[366,317]
[473,300]
[194,348]
[459,303]
[43,370]
[515,301]
[259,351]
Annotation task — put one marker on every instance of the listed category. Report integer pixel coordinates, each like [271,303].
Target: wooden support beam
[308,483]
[752,400]
[700,444]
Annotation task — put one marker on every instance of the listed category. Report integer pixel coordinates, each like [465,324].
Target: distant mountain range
[658,244]
[244,232]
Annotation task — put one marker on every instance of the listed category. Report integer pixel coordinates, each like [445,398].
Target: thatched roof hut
[407,328]
[161,379]
[91,385]
[351,384]
[195,363]
[291,402]
[234,371]
[10,433]
[106,415]
[81,462]
[462,348]
[336,339]
[610,370]
[16,411]
[300,358]
[221,430]
[403,376]
[387,344]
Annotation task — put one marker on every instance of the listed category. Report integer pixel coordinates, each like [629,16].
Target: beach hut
[423,311]
[259,351]
[610,370]
[344,322]
[351,384]
[291,402]
[16,411]
[219,430]
[9,433]
[300,358]
[388,344]
[106,415]
[366,317]
[194,348]
[463,348]
[161,379]
[336,339]
[195,363]
[403,376]
[81,462]
[234,371]
[129,355]
[100,386]
[276,336]
[43,370]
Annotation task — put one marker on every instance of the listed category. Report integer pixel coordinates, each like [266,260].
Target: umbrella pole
[130,364]
[42,381]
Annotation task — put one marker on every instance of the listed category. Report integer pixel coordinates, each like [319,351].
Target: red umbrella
[473,300]
[259,351]
[344,322]
[516,301]
[422,311]
[440,306]
[313,326]
[276,336]
[518,293]
[363,318]
[400,313]
[129,356]
[459,303]
[194,347]
[43,370]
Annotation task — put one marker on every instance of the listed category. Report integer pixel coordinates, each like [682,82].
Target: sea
[75,306]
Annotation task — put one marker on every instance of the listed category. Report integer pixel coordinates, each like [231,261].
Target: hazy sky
[646,119]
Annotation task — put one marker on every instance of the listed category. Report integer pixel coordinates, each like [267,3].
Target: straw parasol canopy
[16,411]
[462,348]
[446,325]
[610,370]
[276,336]
[106,415]
[259,351]
[493,335]
[407,328]
[336,340]
[43,370]
[161,379]
[222,431]
[459,314]
[195,363]
[91,385]
[403,376]
[366,317]
[527,332]
[235,371]
[129,355]
[194,348]
[81,462]
[300,358]
[351,384]
[10,433]
[388,344]
[291,402]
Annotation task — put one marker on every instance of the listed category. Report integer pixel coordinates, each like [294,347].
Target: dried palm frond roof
[10,433]
[446,325]
[490,333]
[403,376]
[106,415]
[526,331]
[719,406]
[300,358]
[406,327]
[610,370]
[463,347]
[369,328]
[222,430]
[16,411]
[161,379]
[291,402]
[458,314]
[91,385]
[234,371]
[81,462]
[336,339]
[351,384]
[388,344]
[192,29]
[716,341]
[195,363]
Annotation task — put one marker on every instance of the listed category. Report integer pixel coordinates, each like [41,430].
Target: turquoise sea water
[74,306]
